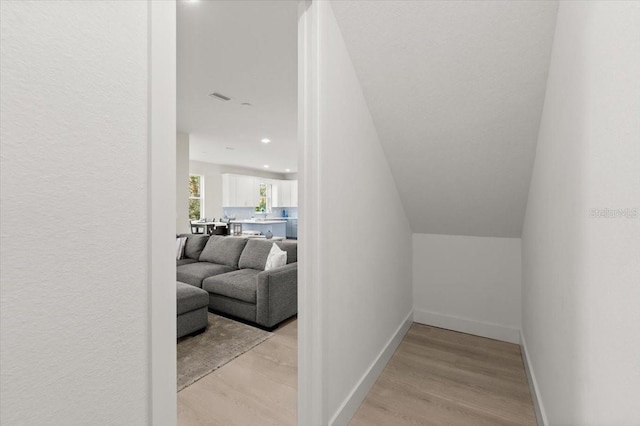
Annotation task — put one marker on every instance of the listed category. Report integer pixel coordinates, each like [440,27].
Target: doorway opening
[237,211]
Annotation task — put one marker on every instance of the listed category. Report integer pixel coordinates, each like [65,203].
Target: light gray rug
[223,341]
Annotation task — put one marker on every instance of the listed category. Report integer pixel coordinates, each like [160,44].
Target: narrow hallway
[439,377]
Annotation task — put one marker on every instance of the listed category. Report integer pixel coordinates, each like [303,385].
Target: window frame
[268,196]
[200,198]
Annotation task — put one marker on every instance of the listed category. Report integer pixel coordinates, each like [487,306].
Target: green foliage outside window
[262,203]
[195,197]
[194,186]
[194,209]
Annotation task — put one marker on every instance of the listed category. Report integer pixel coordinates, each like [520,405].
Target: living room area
[236,211]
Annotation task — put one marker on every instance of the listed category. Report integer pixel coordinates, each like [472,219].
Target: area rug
[223,341]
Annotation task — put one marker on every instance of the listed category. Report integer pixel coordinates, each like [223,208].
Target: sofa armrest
[277,295]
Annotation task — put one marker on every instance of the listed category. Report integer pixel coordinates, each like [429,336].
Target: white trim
[534,390]
[350,405]
[311,294]
[466,325]
[162,220]
[200,198]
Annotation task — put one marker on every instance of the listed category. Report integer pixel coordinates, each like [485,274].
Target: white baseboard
[541,415]
[350,405]
[465,325]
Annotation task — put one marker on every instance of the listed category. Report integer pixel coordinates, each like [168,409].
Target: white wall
[468,284]
[213,182]
[365,260]
[182,183]
[212,186]
[581,274]
[74,345]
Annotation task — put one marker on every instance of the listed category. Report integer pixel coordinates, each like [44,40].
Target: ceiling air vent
[220,96]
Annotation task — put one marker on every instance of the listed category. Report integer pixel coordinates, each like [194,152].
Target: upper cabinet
[294,193]
[247,191]
[285,193]
[229,185]
[244,191]
[282,194]
[240,191]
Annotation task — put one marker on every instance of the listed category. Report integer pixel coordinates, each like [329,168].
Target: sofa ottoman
[192,309]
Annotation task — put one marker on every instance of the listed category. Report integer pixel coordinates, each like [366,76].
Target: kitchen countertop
[260,222]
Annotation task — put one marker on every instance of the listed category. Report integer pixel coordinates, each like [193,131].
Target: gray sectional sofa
[231,271]
[192,303]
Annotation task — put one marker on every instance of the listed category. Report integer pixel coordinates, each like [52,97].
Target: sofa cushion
[194,273]
[291,247]
[194,245]
[190,298]
[180,243]
[185,261]
[276,259]
[255,253]
[241,285]
[223,250]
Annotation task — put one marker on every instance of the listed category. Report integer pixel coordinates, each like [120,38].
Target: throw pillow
[180,244]
[277,258]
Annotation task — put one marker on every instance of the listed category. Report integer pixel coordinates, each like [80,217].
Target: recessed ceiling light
[287,170]
[265,140]
[266,166]
[229,148]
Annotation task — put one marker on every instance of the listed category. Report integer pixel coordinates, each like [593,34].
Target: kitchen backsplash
[249,212]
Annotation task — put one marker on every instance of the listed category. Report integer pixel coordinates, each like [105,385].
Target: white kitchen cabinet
[244,191]
[248,191]
[240,191]
[287,193]
[294,196]
[283,194]
[229,188]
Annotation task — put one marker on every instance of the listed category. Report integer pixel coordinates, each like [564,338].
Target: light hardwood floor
[257,388]
[441,377]
[436,377]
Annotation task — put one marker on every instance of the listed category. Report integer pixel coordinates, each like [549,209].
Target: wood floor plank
[457,375]
[440,377]
[394,403]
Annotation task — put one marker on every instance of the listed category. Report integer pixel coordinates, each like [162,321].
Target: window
[264,204]
[196,197]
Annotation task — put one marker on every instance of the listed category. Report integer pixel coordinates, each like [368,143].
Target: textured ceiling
[456,91]
[246,50]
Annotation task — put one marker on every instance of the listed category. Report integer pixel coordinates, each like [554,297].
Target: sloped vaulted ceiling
[456,90]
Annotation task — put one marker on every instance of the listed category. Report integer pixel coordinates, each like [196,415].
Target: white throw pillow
[180,243]
[277,258]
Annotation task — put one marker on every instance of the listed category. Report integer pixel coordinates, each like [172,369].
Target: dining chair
[197,228]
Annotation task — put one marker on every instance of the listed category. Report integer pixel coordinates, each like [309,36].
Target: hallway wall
[365,265]
[468,284]
[74,327]
[581,239]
